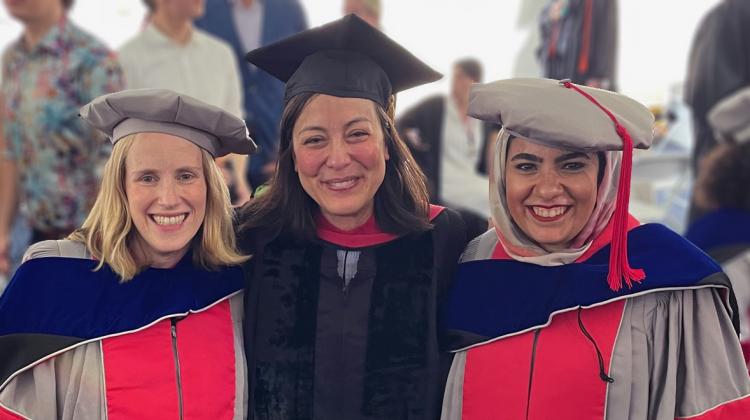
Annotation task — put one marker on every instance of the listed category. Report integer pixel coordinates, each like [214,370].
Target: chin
[345,208]
[550,241]
[555,243]
[171,248]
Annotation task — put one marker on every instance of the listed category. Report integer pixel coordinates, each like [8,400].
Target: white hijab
[516,243]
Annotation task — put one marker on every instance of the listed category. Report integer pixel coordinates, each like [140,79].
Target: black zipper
[531,371]
[177,363]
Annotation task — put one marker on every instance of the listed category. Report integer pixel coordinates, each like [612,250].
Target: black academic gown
[321,347]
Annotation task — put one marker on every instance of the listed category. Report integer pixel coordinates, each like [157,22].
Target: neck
[247,3]
[168,260]
[462,104]
[154,259]
[177,29]
[35,30]
[347,223]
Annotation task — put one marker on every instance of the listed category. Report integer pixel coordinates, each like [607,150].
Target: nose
[549,185]
[338,156]
[168,194]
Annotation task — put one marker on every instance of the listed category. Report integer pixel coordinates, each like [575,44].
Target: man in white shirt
[450,146]
[171,53]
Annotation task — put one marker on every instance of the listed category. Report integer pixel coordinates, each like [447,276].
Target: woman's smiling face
[339,155]
[551,193]
[166,190]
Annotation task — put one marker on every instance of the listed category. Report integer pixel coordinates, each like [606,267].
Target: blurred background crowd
[60,54]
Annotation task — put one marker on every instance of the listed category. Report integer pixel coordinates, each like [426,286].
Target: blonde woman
[137,314]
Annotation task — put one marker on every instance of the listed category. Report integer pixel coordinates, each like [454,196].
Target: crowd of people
[474,258]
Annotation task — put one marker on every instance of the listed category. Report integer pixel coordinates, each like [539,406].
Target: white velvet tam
[545,111]
[552,114]
[163,111]
[730,118]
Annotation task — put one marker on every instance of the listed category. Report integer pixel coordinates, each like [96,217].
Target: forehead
[521,145]
[162,151]
[333,110]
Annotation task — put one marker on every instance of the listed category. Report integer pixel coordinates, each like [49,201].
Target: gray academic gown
[665,355]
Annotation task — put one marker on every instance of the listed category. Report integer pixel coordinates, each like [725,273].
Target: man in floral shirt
[47,75]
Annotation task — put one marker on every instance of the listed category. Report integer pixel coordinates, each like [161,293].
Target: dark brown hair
[725,176]
[401,202]
[67,4]
[471,68]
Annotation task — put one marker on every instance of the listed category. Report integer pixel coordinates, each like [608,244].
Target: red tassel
[619,267]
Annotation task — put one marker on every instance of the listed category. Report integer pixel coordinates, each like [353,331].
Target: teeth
[171,220]
[553,212]
[342,184]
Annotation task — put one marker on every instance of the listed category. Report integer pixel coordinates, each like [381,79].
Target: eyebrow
[572,155]
[347,125]
[190,168]
[312,128]
[526,156]
[562,158]
[156,171]
[355,121]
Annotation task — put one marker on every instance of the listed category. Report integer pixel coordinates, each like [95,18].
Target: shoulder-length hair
[401,202]
[108,231]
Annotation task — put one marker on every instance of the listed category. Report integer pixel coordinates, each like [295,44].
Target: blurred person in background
[368,10]
[579,42]
[723,190]
[137,314]
[718,66]
[246,25]
[170,53]
[19,230]
[450,146]
[50,161]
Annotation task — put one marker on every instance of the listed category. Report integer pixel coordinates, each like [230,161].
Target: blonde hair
[108,229]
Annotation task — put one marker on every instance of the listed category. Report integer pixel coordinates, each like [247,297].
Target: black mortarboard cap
[346,58]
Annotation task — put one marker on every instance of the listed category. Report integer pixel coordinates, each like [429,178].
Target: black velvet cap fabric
[346,58]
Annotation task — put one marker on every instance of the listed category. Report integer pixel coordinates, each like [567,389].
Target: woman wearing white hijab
[540,320]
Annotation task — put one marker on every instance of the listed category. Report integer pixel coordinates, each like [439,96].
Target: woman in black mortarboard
[350,259]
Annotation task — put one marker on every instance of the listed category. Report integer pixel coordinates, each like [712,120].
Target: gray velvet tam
[163,111]
[730,118]
[546,112]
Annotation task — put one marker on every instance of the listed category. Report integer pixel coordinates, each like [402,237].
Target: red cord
[619,267]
